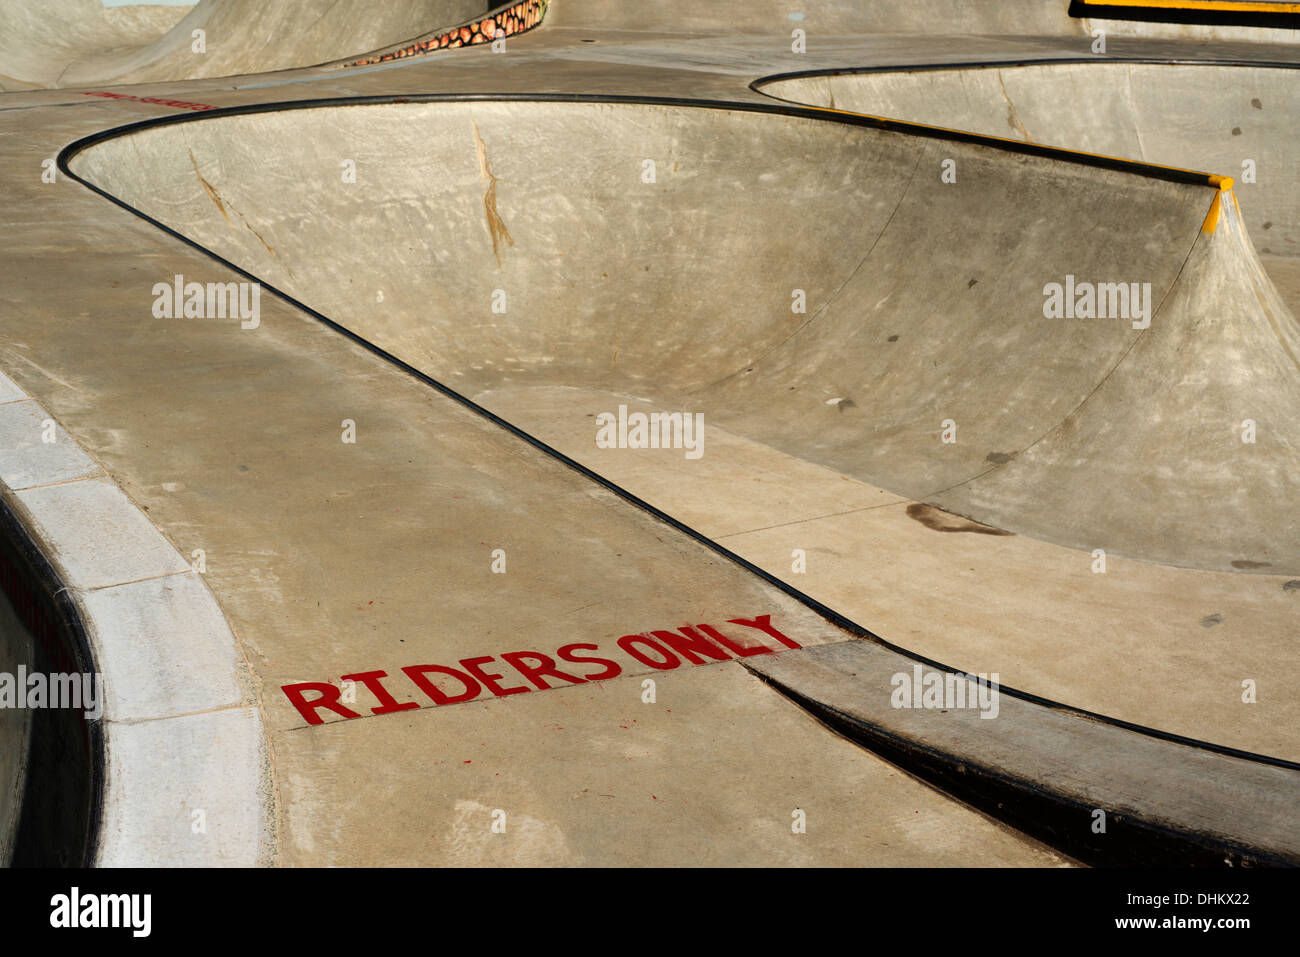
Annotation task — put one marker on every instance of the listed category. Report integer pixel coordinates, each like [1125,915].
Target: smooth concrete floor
[330,559]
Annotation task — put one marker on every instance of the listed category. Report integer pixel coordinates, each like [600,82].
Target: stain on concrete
[1246,564]
[222,205]
[1013,117]
[208,188]
[998,458]
[1292,585]
[941,521]
[1209,621]
[496,225]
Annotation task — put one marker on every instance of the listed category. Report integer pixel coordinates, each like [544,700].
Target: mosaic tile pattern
[514,19]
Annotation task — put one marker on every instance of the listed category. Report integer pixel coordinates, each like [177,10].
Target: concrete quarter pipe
[843,436]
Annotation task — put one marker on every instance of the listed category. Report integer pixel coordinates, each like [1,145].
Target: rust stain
[496,225]
[212,193]
[222,206]
[267,245]
[941,521]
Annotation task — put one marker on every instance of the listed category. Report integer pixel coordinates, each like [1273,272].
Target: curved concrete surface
[38,42]
[515,252]
[75,43]
[1227,119]
[691,304]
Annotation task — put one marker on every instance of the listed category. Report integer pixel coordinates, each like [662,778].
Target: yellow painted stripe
[1212,217]
[1236,6]
[1211,179]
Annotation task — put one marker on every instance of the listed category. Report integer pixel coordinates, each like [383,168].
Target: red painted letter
[387,703]
[627,643]
[329,698]
[764,623]
[416,673]
[489,679]
[612,668]
[533,672]
[688,646]
[745,651]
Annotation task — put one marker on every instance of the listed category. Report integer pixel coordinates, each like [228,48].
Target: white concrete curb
[186,773]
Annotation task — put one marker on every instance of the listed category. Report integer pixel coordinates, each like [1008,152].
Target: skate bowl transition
[1058,354]
[71,43]
[770,263]
[1230,119]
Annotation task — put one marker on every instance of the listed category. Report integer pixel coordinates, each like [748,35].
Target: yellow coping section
[1225,188]
[1211,222]
[1244,6]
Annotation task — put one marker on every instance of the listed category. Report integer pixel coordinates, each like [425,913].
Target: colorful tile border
[517,18]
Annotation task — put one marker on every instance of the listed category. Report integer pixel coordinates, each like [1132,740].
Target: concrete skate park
[672,434]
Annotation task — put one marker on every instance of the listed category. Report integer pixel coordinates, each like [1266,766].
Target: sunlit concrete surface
[393,458]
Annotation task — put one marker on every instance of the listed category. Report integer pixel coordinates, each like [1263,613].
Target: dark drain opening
[61,779]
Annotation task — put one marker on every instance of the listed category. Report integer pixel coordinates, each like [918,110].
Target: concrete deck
[324,559]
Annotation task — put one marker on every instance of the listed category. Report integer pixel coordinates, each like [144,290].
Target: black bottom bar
[1226,18]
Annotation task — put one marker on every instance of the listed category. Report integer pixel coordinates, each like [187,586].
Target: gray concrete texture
[681,291]
[1085,764]
[1202,116]
[823,427]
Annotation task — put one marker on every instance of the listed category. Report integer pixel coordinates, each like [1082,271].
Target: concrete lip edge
[1056,774]
[775,106]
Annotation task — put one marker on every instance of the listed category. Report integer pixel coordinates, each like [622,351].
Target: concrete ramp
[809,282]
[75,43]
[1234,120]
